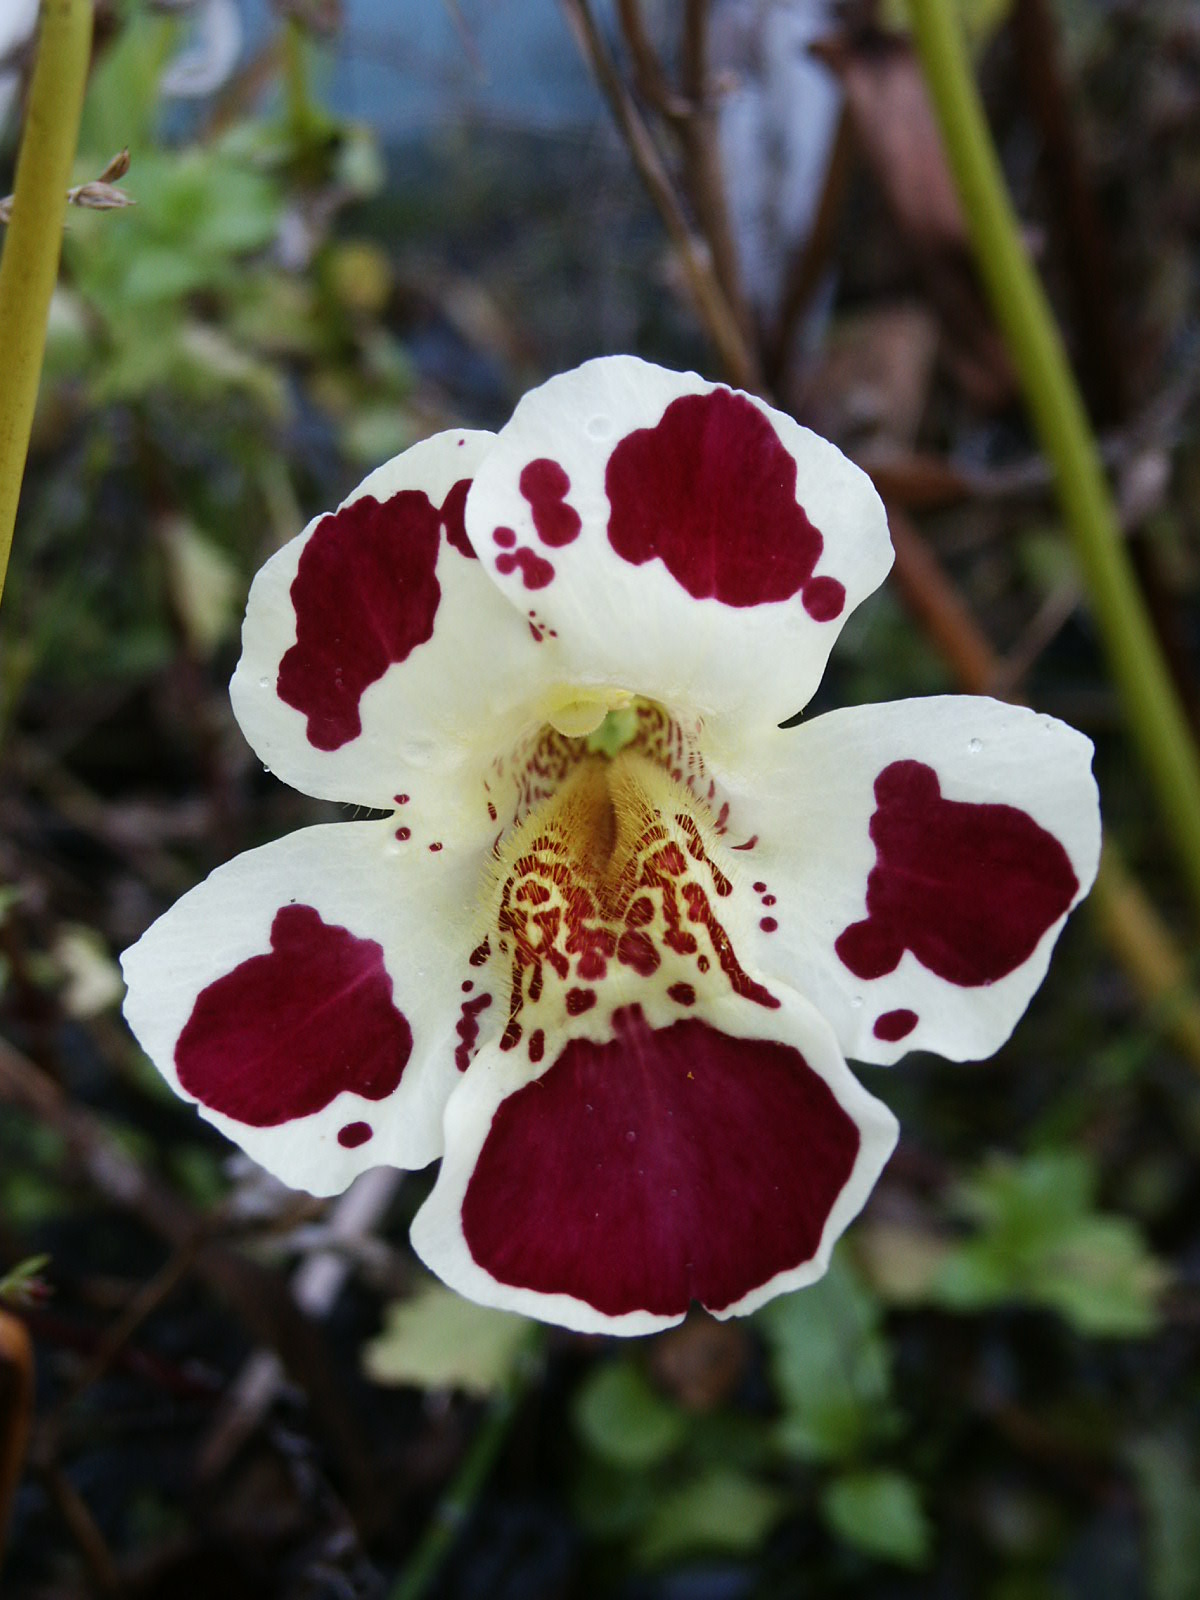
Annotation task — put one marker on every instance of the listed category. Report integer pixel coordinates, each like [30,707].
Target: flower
[608,950]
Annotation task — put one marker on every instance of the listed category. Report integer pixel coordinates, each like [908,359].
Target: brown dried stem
[704,178]
[695,256]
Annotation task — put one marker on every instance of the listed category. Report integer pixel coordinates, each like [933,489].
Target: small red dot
[768,924]
[467,985]
[401,799]
[759,887]
[768,899]
[436,845]
[354,1134]
[893,1026]
[402,833]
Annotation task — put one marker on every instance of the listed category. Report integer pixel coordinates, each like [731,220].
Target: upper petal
[684,541]
[916,863]
[374,646]
[651,1161]
[312,997]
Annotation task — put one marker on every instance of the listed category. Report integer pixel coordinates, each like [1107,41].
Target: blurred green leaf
[437,1340]
[122,99]
[624,1420]
[1170,1492]
[829,1364]
[720,1511]
[1039,1241]
[205,585]
[20,1284]
[880,1513]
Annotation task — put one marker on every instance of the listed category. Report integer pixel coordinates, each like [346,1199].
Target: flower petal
[653,1162]
[916,862]
[374,647]
[311,996]
[683,540]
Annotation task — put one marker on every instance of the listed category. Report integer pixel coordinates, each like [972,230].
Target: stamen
[582,711]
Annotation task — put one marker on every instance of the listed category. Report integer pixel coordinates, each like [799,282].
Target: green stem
[1152,709]
[29,266]
[457,1504]
[302,114]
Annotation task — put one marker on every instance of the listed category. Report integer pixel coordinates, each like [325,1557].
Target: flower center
[610,891]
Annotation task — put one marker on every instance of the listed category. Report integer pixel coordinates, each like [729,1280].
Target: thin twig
[649,76]
[316,1285]
[702,161]
[810,263]
[258,1295]
[696,258]
[81,1525]
[1085,253]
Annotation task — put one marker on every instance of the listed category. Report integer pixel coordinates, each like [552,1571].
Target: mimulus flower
[608,950]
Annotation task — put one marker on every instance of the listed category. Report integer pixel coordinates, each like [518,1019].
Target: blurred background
[349,225]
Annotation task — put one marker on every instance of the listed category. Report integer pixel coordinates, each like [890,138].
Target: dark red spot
[282,1035]
[537,1045]
[536,572]
[435,846]
[895,1025]
[683,994]
[824,598]
[636,950]
[504,537]
[365,596]
[970,889]
[580,1000]
[768,924]
[400,799]
[403,833]
[759,888]
[491,811]
[544,484]
[453,520]
[749,844]
[768,899]
[354,1134]
[467,985]
[467,1029]
[711,492]
[480,954]
[634,1209]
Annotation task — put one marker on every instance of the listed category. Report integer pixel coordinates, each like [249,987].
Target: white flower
[609,949]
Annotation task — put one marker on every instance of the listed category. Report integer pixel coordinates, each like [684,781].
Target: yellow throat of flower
[609,892]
